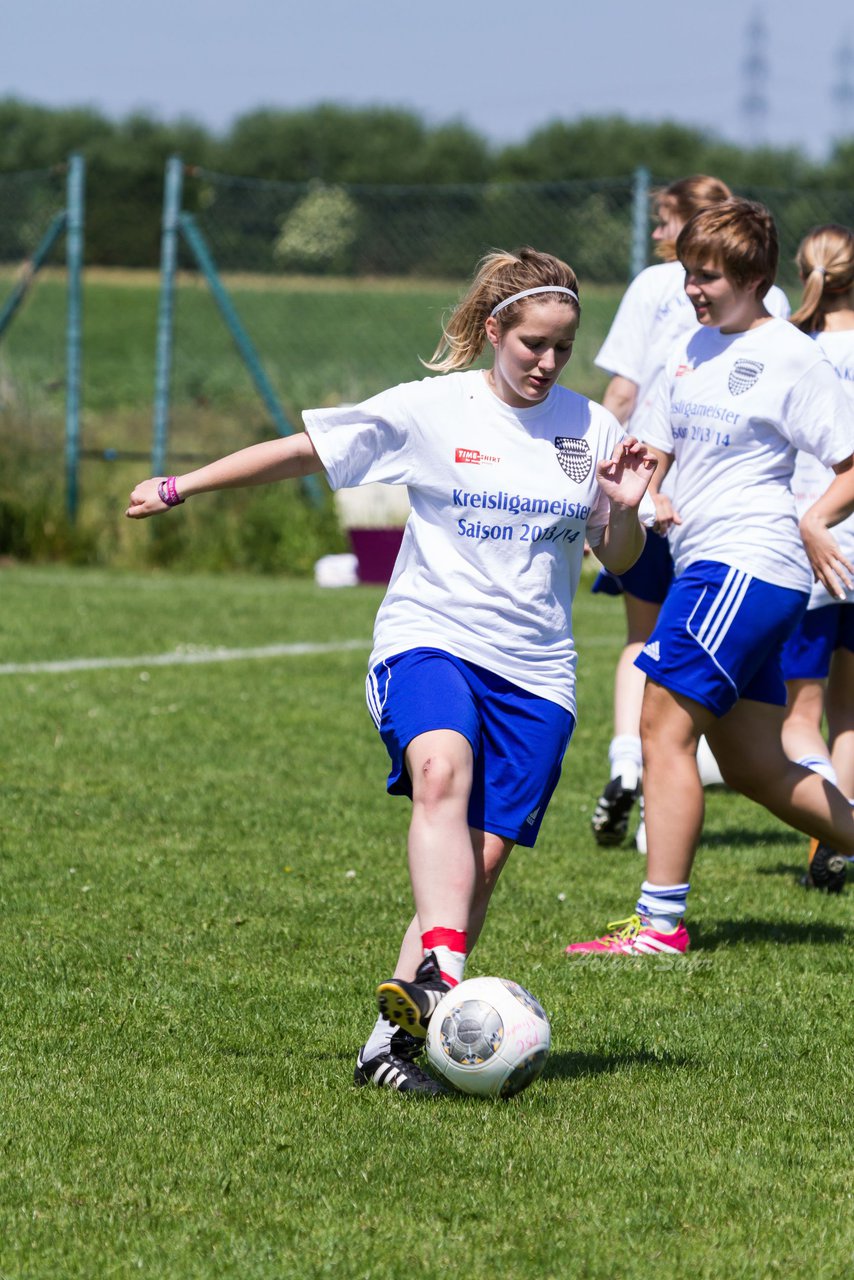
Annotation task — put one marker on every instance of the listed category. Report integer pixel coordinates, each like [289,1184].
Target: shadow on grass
[569,1066]
[792,870]
[748,839]
[726,933]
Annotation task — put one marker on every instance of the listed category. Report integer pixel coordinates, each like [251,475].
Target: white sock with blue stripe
[820,765]
[662,905]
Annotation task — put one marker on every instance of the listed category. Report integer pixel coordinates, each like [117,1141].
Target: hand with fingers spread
[829,565]
[625,476]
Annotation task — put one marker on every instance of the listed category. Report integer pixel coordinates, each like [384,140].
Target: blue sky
[503,67]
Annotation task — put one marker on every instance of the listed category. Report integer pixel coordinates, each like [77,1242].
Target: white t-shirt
[811,478]
[652,316]
[502,501]
[733,409]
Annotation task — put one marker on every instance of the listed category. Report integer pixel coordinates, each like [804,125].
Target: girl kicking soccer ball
[742,394]
[471,681]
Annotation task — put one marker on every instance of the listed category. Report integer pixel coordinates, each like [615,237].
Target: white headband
[526,293]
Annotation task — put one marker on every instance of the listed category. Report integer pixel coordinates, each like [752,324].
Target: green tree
[364,145]
[606,147]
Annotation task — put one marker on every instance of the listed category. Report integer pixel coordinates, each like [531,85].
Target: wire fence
[341,290]
[425,233]
[285,295]
[32,321]
[438,232]
[40,356]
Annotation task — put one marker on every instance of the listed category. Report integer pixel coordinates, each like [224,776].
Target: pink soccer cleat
[631,937]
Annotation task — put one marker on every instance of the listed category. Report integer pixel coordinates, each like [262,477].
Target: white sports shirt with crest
[654,313]
[811,478]
[502,501]
[734,409]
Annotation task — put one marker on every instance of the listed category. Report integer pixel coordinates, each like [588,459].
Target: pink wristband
[167,492]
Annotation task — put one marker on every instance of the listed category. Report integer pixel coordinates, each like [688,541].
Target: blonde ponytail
[499,276]
[825,260]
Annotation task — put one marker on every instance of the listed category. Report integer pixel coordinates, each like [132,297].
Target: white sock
[626,760]
[379,1039]
[822,766]
[662,905]
[707,766]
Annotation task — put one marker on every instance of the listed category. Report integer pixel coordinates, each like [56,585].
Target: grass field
[321,342]
[201,880]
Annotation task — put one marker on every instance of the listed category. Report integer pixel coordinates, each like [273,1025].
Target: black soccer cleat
[826,870]
[397,1068]
[610,820]
[410,1005]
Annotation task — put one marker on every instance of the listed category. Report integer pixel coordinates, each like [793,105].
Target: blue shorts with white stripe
[719,637]
[808,651]
[518,738]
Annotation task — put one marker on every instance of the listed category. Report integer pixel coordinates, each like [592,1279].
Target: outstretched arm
[624,478]
[835,504]
[286,458]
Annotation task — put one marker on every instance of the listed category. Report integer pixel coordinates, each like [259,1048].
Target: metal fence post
[75,204]
[58,224]
[640,219]
[165,316]
[242,341]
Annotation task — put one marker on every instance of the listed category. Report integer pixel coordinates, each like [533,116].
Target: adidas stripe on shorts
[518,739]
[719,637]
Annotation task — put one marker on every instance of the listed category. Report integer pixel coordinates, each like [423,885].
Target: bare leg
[671,726]
[453,871]
[629,680]
[840,718]
[441,856]
[802,734]
[748,744]
[491,853]
[411,952]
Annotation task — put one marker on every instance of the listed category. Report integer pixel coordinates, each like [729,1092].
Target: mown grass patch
[201,880]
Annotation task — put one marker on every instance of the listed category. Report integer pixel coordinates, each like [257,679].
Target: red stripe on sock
[446,977]
[453,939]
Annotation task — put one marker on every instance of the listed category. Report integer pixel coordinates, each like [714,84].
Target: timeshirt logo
[474,457]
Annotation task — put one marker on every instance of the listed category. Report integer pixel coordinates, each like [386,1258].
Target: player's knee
[436,780]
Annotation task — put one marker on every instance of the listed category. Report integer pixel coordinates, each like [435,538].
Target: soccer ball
[488,1036]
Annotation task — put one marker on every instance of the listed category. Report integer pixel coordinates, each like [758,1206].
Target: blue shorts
[809,648]
[518,738]
[719,637]
[649,577]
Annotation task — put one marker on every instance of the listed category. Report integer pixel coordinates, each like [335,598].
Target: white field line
[179,658]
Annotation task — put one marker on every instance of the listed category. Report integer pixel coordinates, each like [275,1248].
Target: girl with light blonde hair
[471,682]
[825,261]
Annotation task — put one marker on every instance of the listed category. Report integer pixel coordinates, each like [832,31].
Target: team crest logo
[743,374]
[574,457]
